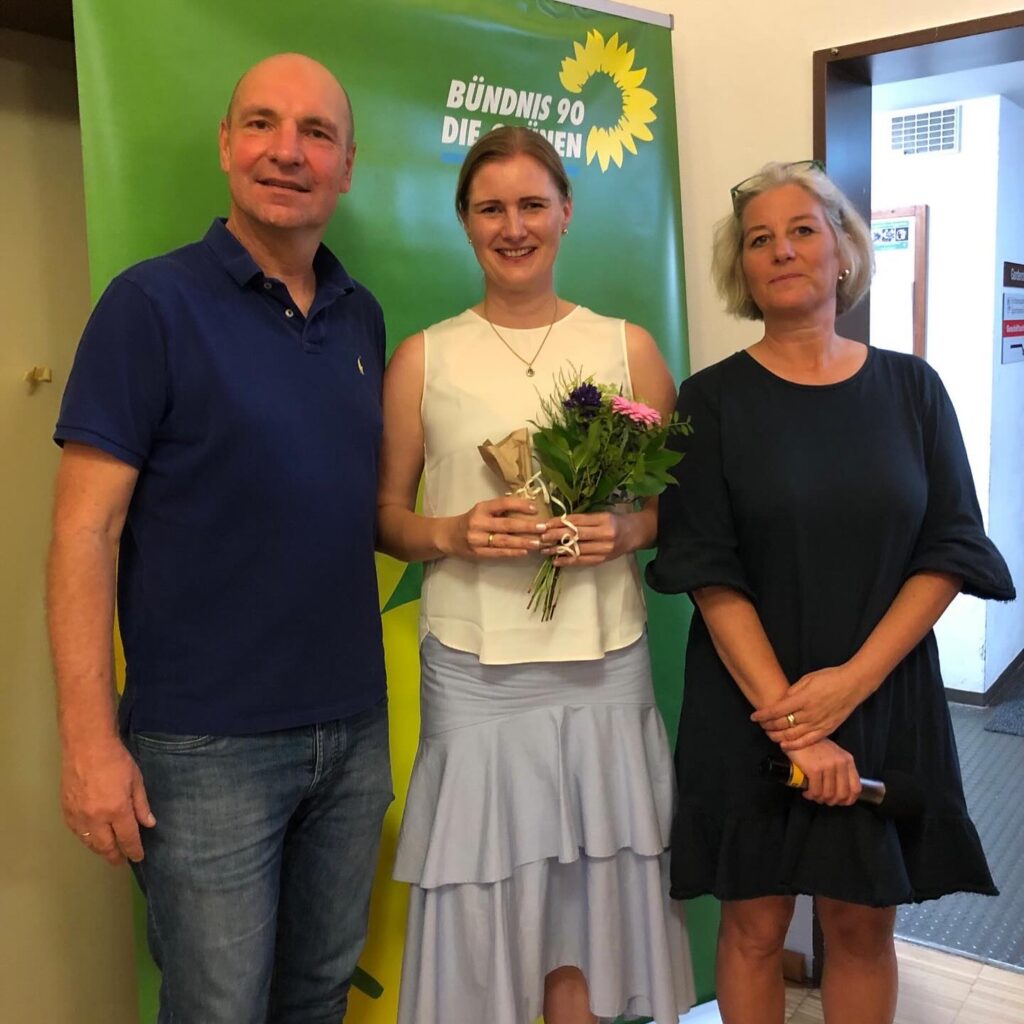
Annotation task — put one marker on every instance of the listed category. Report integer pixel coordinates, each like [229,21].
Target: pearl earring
[845,274]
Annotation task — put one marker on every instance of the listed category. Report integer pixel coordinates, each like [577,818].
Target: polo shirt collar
[332,279]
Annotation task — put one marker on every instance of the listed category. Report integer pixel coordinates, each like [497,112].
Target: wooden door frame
[844,75]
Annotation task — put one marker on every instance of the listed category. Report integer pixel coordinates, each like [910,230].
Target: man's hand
[104,801]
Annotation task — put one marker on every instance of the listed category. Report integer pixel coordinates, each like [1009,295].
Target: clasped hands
[801,722]
[508,528]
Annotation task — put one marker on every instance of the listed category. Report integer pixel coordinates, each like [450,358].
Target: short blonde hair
[852,236]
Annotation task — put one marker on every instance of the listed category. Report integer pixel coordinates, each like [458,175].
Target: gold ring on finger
[791,718]
[490,540]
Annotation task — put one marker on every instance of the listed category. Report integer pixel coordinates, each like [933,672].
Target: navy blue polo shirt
[247,591]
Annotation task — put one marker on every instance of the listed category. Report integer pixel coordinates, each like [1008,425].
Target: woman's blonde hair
[852,236]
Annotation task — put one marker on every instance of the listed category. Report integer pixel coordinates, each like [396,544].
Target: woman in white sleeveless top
[539,808]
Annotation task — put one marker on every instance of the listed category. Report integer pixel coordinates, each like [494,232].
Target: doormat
[1008,717]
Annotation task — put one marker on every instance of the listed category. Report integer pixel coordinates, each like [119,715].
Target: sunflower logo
[614,61]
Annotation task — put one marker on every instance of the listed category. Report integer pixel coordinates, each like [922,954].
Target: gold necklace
[528,363]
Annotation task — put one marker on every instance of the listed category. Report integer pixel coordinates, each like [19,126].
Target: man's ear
[346,178]
[222,145]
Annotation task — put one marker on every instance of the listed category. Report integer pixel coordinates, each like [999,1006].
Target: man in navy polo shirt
[220,431]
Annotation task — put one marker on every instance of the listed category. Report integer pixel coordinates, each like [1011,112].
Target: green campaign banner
[426,78]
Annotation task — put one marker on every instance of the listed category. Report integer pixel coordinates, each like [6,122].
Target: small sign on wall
[1013,275]
[890,234]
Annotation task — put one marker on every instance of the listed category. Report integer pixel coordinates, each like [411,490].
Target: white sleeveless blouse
[475,390]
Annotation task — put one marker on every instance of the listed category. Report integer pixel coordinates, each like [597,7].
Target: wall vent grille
[927,131]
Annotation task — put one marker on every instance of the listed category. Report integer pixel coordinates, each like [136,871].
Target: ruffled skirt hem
[883,862]
[517,764]
[481,951]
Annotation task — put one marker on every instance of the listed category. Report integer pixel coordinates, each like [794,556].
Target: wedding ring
[490,540]
[791,718]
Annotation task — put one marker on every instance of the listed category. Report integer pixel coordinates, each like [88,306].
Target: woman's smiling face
[515,218]
[791,258]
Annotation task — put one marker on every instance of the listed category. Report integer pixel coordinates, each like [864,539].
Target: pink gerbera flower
[636,411]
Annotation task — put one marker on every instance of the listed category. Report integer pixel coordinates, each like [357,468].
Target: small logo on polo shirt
[359,365]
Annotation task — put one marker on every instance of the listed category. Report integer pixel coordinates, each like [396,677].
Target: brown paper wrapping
[511,460]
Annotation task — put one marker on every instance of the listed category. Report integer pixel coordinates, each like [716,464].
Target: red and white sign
[1013,328]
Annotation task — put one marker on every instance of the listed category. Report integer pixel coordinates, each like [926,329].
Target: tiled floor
[987,927]
[935,988]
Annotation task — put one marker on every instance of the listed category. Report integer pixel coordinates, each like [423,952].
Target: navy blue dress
[818,502]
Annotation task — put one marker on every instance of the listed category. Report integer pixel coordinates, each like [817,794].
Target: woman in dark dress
[825,518]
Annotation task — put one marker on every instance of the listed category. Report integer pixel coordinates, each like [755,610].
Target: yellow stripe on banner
[382,957]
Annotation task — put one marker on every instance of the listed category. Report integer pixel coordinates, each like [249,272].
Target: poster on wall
[1013,328]
[426,78]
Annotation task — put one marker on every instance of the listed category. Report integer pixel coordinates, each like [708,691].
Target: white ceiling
[999,80]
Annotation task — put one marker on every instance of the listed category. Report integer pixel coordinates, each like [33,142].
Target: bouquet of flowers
[598,449]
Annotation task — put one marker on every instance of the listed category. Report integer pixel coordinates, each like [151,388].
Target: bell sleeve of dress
[117,391]
[697,543]
[952,537]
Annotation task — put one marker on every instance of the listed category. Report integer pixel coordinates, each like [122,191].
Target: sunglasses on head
[796,165]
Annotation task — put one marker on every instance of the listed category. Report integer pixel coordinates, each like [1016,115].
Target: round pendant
[529,371]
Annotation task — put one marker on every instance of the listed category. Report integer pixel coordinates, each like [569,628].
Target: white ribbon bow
[568,543]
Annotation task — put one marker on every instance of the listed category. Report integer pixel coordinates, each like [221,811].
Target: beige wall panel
[65,930]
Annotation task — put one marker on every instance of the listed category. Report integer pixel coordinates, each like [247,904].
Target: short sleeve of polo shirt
[116,394]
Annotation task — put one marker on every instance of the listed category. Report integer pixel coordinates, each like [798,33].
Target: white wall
[1005,626]
[959,189]
[976,221]
[744,96]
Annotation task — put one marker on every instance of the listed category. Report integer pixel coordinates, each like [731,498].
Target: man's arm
[102,794]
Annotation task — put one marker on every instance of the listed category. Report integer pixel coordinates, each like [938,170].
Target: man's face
[286,145]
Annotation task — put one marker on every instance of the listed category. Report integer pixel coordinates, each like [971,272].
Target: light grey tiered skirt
[535,836]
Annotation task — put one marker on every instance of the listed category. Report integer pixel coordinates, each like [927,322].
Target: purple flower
[585,399]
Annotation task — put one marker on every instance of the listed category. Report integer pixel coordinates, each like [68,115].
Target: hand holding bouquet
[598,449]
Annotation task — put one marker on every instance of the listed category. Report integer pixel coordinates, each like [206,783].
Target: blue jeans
[257,875]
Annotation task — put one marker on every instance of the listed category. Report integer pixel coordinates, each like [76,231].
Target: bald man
[220,435]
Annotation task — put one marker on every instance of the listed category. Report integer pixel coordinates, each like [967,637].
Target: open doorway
[925,132]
